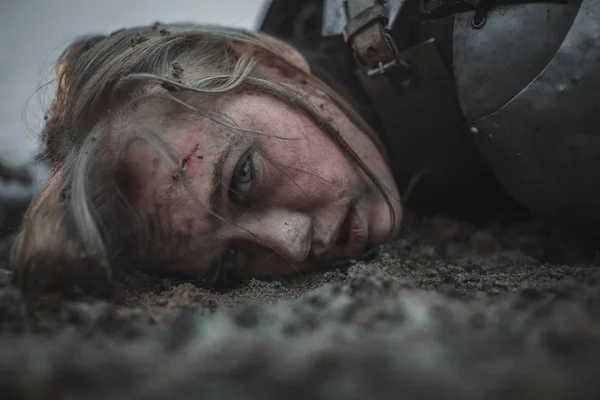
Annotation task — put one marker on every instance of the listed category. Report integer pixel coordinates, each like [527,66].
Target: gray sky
[34,32]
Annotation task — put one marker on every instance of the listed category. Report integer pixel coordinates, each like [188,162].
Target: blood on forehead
[186,161]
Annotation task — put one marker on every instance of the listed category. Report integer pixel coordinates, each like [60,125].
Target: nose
[323,241]
[325,230]
[288,233]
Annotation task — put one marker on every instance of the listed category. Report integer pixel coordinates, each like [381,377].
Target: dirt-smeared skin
[448,311]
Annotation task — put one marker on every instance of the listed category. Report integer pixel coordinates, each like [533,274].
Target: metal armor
[468,88]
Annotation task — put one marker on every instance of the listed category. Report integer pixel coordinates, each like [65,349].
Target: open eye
[241,180]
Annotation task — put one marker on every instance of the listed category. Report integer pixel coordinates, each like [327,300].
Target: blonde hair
[73,233]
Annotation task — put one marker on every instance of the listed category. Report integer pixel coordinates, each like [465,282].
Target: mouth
[353,237]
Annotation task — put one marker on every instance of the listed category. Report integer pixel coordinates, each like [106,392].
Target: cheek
[323,160]
[314,153]
[305,172]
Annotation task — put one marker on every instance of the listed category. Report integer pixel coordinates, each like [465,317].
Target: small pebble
[431,273]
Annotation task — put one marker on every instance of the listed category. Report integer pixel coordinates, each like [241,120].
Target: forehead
[153,128]
[216,122]
[158,136]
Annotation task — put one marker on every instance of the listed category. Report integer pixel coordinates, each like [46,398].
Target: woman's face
[283,200]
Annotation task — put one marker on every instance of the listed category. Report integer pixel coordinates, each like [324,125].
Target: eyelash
[225,272]
[234,190]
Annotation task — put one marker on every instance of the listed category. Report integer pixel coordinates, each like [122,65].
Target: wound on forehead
[185,163]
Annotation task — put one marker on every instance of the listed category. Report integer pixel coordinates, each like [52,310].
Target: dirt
[138,39]
[176,70]
[447,311]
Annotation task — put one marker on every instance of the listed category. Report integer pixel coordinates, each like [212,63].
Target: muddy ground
[447,311]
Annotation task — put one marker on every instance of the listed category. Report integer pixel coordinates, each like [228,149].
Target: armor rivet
[474,130]
[478,21]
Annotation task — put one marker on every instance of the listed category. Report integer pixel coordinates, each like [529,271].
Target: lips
[353,237]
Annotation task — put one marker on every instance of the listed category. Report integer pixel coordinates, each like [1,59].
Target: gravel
[447,311]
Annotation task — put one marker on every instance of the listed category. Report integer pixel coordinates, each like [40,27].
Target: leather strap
[366,31]
[364,18]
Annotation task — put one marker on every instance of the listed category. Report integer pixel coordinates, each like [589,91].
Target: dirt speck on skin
[176,70]
[447,311]
[169,87]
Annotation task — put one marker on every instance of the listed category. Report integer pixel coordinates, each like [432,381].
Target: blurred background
[33,33]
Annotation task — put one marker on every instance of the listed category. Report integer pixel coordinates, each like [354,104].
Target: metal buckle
[384,66]
[381,68]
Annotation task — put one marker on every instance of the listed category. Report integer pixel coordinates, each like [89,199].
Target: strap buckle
[382,67]
[373,47]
